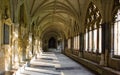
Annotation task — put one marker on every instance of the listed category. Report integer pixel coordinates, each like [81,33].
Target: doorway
[52,43]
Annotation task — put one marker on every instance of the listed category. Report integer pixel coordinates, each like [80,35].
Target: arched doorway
[52,43]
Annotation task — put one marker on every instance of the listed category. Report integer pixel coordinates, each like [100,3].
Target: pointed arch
[92,30]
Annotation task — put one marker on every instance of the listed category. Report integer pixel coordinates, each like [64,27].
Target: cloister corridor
[52,63]
[59,37]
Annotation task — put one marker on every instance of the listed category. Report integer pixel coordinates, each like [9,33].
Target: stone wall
[99,70]
[2,61]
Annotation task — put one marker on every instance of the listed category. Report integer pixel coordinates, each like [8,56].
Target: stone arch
[96,12]
[52,42]
[115,8]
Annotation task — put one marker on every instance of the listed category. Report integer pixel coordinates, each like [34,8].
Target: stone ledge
[94,66]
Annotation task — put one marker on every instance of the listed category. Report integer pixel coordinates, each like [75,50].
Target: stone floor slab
[53,64]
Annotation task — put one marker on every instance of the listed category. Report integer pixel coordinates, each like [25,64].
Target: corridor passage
[50,63]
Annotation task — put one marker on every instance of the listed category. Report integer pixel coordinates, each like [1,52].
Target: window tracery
[93,29]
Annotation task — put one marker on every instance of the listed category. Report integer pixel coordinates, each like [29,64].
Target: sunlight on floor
[52,64]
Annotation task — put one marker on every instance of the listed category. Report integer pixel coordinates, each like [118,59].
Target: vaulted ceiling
[63,17]
[53,15]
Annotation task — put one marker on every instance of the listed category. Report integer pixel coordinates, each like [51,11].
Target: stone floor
[53,64]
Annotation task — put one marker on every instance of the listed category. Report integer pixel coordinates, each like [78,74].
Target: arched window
[93,32]
[76,37]
[76,42]
[116,33]
[115,43]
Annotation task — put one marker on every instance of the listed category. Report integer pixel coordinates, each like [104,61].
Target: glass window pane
[75,43]
[100,40]
[95,40]
[86,41]
[69,43]
[119,38]
[78,42]
[115,37]
[90,40]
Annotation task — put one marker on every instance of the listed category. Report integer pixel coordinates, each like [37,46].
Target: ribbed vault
[53,15]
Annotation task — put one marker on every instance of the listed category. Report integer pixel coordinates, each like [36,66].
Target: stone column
[8,58]
[108,43]
[8,52]
[65,45]
[62,45]
[37,47]
[105,44]
[2,51]
[23,42]
[72,44]
[23,54]
[102,61]
[81,44]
